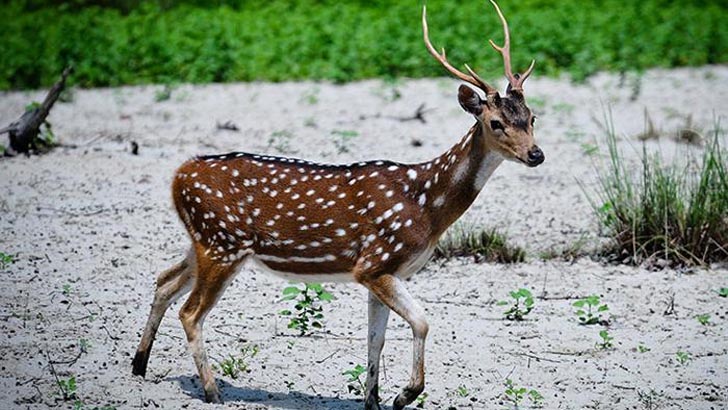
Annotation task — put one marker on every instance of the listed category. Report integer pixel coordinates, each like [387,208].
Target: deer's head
[506,120]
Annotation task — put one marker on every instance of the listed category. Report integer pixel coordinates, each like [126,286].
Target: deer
[375,222]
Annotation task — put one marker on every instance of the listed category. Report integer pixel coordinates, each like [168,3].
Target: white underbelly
[416,263]
[255,263]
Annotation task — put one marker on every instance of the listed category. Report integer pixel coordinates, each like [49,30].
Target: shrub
[118,42]
[676,213]
[482,245]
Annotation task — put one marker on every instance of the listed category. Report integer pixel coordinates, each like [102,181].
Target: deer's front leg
[391,291]
[378,316]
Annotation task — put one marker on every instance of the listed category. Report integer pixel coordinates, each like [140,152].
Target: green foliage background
[134,42]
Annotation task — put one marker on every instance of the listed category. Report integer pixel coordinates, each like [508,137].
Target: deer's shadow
[292,400]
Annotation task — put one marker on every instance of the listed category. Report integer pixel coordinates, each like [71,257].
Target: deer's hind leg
[212,278]
[171,284]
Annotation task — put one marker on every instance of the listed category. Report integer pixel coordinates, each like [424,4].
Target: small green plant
[462,391]
[354,382]
[590,309]
[5,260]
[589,149]
[480,244]
[84,345]
[723,292]
[607,341]
[683,358]
[234,365]
[66,289]
[281,141]
[421,400]
[703,319]
[521,304]
[67,387]
[308,310]
[342,138]
[642,348]
[310,96]
[516,394]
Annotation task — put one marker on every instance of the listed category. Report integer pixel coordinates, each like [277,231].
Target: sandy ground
[90,226]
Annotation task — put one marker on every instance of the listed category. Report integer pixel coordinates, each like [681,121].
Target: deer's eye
[496,125]
[533,120]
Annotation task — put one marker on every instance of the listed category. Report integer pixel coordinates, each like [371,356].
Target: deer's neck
[454,179]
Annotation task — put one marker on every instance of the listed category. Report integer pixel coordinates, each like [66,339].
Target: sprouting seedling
[307,312]
[682,357]
[67,387]
[642,348]
[723,292]
[462,391]
[521,304]
[342,138]
[607,340]
[516,394]
[5,260]
[234,365]
[703,319]
[354,383]
[590,309]
[421,400]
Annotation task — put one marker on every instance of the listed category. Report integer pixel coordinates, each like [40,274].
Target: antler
[516,81]
[473,78]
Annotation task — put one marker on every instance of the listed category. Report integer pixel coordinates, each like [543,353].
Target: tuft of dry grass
[665,215]
[483,245]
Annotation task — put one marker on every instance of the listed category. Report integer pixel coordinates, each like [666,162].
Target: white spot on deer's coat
[412,174]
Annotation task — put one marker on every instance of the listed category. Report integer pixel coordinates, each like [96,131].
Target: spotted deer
[375,222]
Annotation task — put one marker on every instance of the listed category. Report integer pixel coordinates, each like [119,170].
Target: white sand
[99,221]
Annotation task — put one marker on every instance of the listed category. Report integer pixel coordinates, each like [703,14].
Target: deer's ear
[470,100]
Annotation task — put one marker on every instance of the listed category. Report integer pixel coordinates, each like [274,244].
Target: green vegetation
[703,319]
[482,245]
[308,309]
[521,304]
[354,383]
[5,260]
[195,41]
[234,365]
[683,358]
[589,310]
[516,394]
[665,214]
[723,292]
[607,341]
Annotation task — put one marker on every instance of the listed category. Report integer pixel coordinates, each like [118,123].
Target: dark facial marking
[515,111]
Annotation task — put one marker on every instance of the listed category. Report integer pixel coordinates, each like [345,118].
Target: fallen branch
[24,132]
[419,115]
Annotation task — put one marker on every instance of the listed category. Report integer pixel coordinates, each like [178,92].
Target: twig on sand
[227,126]
[532,356]
[419,115]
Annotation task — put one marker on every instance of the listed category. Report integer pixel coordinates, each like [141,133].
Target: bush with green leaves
[521,304]
[307,311]
[590,309]
[119,42]
[665,214]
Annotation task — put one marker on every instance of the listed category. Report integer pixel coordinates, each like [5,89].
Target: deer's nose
[535,156]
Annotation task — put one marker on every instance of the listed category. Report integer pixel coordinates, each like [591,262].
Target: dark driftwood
[24,132]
